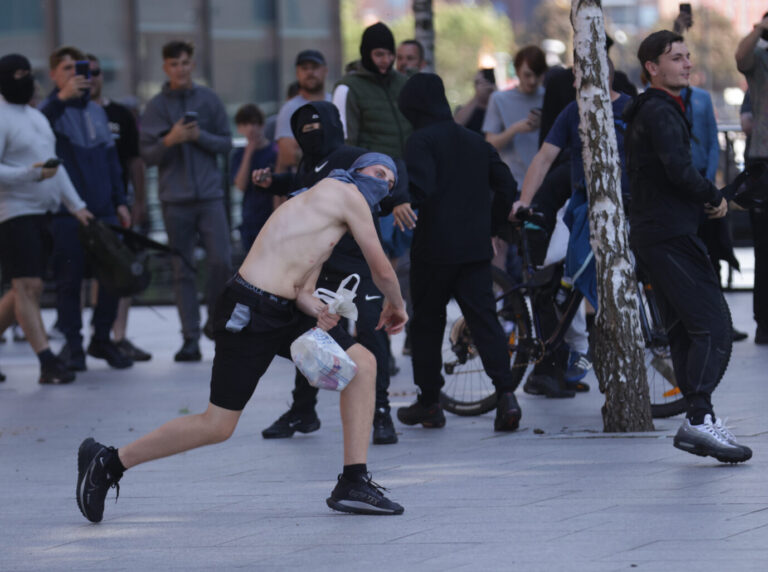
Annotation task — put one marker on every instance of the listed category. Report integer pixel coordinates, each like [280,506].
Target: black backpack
[122,270]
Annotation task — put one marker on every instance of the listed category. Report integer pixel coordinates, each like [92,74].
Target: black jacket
[668,193]
[452,174]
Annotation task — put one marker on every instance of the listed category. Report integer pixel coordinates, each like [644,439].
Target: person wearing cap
[29,192]
[310,75]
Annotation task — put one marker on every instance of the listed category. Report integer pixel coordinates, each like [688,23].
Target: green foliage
[462,33]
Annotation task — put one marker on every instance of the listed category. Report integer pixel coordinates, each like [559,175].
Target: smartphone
[489,75]
[83,68]
[51,163]
[685,8]
[190,116]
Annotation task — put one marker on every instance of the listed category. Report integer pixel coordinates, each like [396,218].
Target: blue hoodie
[84,143]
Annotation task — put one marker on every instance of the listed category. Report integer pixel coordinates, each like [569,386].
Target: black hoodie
[668,193]
[452,174]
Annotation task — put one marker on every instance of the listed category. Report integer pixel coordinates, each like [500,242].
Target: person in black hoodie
[318,131]
[669,199]
[453,174]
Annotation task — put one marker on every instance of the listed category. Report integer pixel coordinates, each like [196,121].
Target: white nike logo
[320,167]
[368,297]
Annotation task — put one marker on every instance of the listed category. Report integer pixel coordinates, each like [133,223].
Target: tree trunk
[619,349]
[425,31]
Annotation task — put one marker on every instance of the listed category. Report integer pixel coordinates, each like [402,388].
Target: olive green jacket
[368,106]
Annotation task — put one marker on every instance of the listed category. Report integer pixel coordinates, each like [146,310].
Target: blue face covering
[373,189]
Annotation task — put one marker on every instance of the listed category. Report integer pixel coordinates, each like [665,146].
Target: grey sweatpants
[185,223]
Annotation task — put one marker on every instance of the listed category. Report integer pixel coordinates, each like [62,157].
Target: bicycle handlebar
[527,214]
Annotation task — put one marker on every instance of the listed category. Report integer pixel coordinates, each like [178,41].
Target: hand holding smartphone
[83,68]
[52,163]
[190,117]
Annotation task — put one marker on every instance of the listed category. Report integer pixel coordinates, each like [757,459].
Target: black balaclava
[311,142]
[16,90]
[376,36]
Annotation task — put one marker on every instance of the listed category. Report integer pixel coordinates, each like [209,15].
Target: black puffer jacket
[668,193]
[452,175]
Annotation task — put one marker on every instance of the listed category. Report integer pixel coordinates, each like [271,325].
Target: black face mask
[16,90]
[311,142]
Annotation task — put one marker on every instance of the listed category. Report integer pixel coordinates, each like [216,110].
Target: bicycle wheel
[468,390]
[666,398]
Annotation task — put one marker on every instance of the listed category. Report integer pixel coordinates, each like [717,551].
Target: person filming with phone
[183,130]
[32,186]
[84,144]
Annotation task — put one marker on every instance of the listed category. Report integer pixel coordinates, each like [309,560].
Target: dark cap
[310,56]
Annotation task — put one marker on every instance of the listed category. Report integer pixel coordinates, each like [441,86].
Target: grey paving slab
[559,494]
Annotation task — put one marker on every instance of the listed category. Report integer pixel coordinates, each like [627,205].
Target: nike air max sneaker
[707,439]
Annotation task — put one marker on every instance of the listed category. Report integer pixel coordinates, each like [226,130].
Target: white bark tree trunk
[424,30]
[619,352]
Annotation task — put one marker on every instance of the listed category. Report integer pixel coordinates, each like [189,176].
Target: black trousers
[695,316]
[432,287]
[369,302]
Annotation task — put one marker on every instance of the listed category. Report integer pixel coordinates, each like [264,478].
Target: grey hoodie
[187,172]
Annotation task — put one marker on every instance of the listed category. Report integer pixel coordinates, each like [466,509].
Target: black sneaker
[739,336]
[107,350]
[190,351]
[383,428]
[361,497]
[543,384]
[508,413]
[2,376]
[130,351]
[93,478]
[761,336]
[56,372]
[431,417]
[290,422]
[73,358]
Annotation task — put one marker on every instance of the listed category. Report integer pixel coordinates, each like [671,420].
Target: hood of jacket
[331,129]
[422,100]
[376,36]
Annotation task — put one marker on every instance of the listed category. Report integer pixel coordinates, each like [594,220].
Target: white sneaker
[707,439]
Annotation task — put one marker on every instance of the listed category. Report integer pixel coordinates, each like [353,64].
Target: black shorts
[25,245]
[251,327]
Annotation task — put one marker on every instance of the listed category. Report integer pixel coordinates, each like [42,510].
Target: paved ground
[570,498]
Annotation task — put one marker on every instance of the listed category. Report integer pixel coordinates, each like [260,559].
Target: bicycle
[468,391]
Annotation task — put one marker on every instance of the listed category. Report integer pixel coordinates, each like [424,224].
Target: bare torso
[298,238]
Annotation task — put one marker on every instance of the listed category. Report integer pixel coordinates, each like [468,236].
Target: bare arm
[464,113]
[745,52]
[243,175]
[287,154]
[535,174]
[527,125]
[305,301]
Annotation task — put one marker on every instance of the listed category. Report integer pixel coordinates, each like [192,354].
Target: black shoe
[383,428]
[761,336]
[361,497]
[93,478]
[190,351]
[2,376]
[542,384]
[56,372]
[431,417]
[107,350]
[290,422]
[739,336]
[73,358]
[508,413]
[130,351]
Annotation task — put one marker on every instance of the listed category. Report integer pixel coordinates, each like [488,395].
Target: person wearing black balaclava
[457,181]
[29,192]
[318,131]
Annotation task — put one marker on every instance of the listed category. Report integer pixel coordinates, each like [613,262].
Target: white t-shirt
[504,109]
[26,138]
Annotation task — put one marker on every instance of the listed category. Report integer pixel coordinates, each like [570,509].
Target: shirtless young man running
[264,307]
